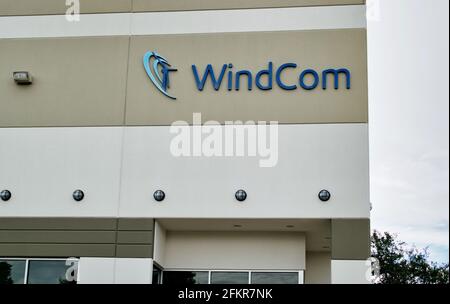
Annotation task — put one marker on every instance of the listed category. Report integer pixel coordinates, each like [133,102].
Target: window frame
[27,263]
[301,273]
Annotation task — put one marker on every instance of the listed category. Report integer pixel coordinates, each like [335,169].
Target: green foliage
[400,264]
[5,273]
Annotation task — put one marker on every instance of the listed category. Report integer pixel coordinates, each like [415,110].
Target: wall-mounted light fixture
[159,195]
[23,78]
[324,195]
[5,195]
[78,195]
[241,195]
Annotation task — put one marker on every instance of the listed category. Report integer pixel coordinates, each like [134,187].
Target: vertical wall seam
[122,140]
[128,71]
[117,237]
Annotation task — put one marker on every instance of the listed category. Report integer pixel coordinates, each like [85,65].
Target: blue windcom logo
[158,69]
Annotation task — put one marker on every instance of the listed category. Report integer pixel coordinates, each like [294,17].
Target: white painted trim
[25,274]
[250,20]
[301,277]
[56,26]
[186,22]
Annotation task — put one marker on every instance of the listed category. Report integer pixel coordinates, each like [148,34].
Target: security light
[5,195]
[159,195]
[23,78]
[78,195]
[241,195]
[324,195]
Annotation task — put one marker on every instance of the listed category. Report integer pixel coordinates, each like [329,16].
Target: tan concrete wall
[48,7]
[77,81]
[174,5]
[235,250]
[87,237]
[318,268]
[350,239]
[51,7]
[83,81]
[252,51]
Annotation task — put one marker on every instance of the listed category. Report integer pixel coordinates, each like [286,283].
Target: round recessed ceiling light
[241,195]
[159,195]
[78,195]
[5,195]
[324,195]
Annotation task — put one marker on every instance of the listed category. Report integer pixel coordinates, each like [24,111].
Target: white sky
[409,121]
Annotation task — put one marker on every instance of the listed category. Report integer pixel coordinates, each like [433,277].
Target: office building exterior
[92,190]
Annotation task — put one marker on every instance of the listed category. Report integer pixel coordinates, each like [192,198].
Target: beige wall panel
[318,268]
[77,81]
[34,223]
[75,237]
[135,224]
[57,250]
[350,239]
[50,7]
[319,50]
[134,251]
[234,250]
[174,5]
[135,237]
[61,237]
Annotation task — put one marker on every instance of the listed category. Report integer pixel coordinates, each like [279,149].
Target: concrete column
[350,251]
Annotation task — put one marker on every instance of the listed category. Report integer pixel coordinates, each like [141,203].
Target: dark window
[12,272]
[274,278]
[185,277]
[229,277]
[157,273]
[50,272]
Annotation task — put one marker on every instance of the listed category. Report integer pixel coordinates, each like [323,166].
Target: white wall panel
[96,270]
[207,21]
[349,272]
[43,166]
[133,271]
[115,271]
[58,26]
[311,158]
[248,20]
